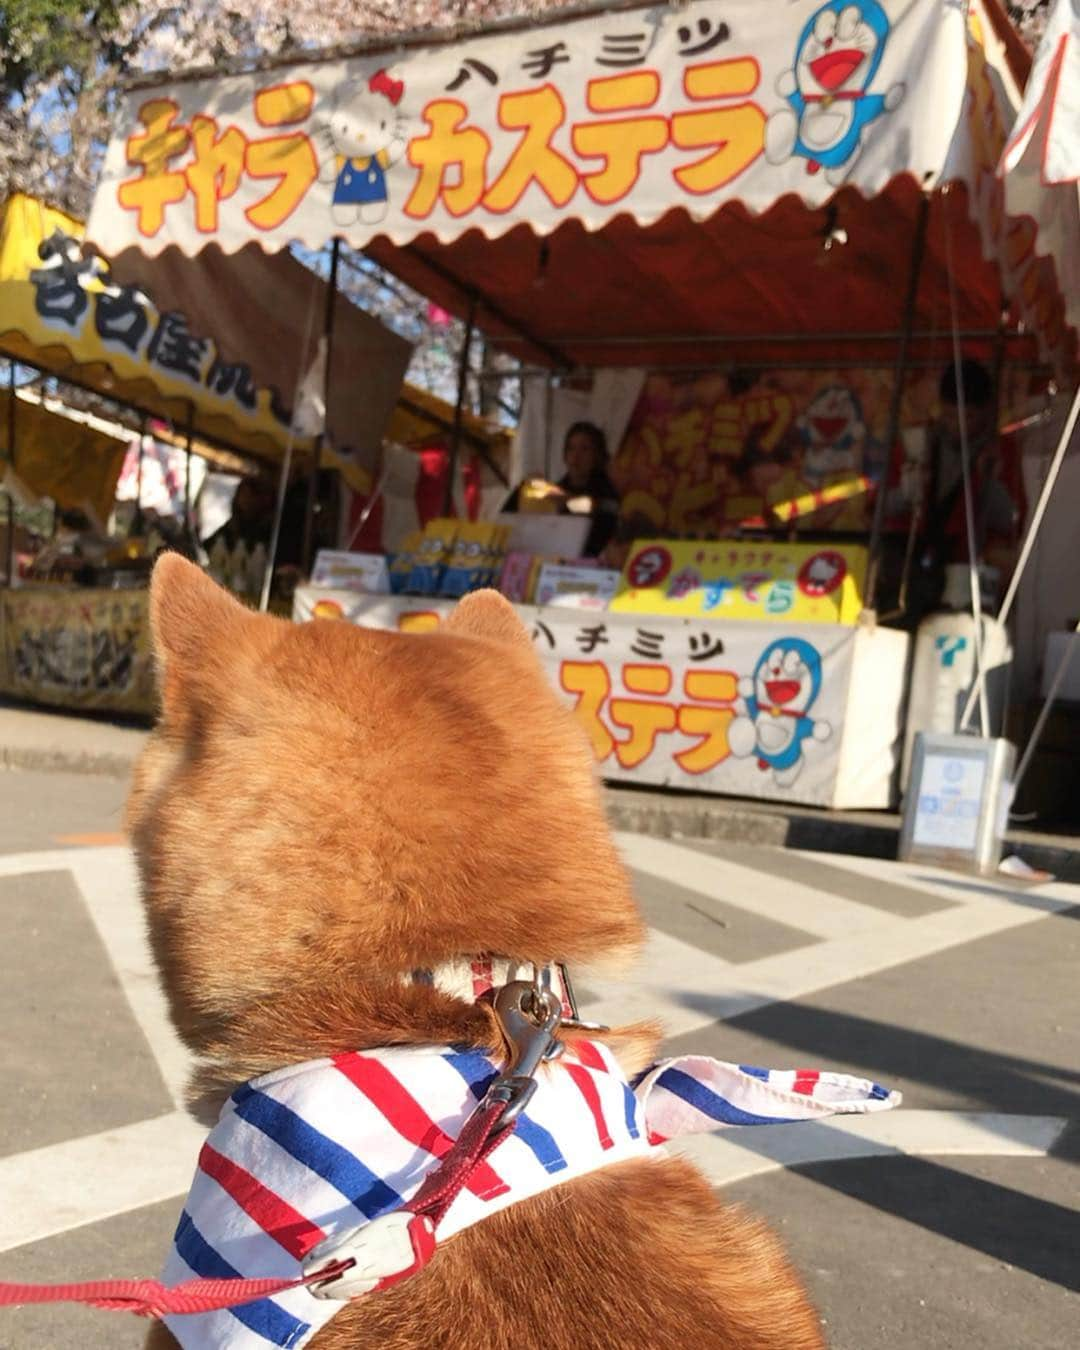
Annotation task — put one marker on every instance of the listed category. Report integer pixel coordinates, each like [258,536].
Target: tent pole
[918,250]
[286,459]
[138,481]
[1030,536]
[11,466]
[189,436]
[308,556]
[459,407]
[549,405]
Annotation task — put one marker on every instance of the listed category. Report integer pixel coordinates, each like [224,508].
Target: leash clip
[528,1016]
[385,1251]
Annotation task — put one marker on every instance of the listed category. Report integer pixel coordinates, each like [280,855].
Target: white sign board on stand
[957,803]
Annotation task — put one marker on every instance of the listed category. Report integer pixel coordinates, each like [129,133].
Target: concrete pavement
[37,739]
[953,1222]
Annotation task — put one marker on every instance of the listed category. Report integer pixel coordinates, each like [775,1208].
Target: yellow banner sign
[59,307]
[816,583]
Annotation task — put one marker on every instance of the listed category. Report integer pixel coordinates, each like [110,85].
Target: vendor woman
[585,488]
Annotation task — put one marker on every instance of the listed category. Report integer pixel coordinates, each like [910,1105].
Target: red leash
[492,1121]
[150,1298]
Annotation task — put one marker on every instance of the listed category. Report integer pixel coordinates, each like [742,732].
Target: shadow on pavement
[886,1052]
[1032,1234]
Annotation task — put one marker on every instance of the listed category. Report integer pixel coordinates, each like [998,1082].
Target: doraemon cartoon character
[837,57]
[361,138]
[773,718]
[833,434]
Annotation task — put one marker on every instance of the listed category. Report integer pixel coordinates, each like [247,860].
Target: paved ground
[33,738]
[954,1222]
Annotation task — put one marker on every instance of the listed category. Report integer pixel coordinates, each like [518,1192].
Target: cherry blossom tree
[63,63]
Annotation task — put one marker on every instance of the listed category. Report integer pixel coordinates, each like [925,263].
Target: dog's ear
[486,614]
[197,628]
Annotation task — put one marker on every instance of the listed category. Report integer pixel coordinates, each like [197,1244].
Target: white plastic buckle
[386,1250]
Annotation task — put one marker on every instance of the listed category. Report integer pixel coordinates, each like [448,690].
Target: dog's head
[321,800]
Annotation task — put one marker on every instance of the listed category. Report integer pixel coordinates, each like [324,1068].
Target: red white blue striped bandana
[318,1149]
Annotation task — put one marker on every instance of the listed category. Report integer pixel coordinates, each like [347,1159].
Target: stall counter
[807,713]
[78,647]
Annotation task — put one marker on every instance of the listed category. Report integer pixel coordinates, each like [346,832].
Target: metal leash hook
[545,978]
[528,1017]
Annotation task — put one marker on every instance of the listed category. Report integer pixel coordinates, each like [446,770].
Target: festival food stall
[673,691]
[788,215]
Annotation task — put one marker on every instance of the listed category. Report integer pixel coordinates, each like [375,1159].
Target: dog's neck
[446,1004]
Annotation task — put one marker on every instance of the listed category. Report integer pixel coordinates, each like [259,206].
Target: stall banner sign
[79,648]
[786,583]
[632,112]
[718,451]
[52,293]
[715,706]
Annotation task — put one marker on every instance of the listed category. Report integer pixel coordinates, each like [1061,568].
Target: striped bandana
[323,1147]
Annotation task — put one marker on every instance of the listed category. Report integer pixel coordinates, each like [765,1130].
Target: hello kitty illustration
[362,137]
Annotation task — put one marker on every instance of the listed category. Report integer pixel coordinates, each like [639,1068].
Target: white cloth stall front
[671,702]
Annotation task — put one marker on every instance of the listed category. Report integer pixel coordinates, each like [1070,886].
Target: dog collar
[472,978]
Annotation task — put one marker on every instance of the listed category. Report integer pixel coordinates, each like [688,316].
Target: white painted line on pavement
[83,1181]
[699,994]
[639,992]
[48,860]
[107,880]
[817,912]
[960,887]
[735,1154]
[110,886]
[63,1186]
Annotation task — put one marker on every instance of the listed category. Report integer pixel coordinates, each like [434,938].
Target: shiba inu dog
[323,812]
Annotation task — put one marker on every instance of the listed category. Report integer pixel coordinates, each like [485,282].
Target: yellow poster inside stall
[815,583]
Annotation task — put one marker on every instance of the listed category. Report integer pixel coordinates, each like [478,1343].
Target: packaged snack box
[400,563]
[468,565]
[431,556]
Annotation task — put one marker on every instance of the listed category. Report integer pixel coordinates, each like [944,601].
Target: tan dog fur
[323,808]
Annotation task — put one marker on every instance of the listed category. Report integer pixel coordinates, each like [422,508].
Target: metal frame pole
[137,523]
[308,553]
[11,465]
[918,251]
[189,437]
[1030,536]
[459,407]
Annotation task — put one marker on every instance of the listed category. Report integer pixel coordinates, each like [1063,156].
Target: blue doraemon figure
[828,89]
[773,718]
